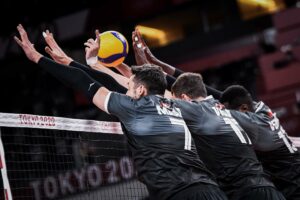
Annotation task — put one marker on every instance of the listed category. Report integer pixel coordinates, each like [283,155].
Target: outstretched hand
[56,53]
[28,48]
[92,47]
[149,56]
[138,47]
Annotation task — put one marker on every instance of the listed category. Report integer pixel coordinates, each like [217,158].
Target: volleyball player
[162,148]
[221,143]
[279,157]
[243,173]
[227,185]
[102,73]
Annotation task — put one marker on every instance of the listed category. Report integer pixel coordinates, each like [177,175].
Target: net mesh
[60,158]
[44,157]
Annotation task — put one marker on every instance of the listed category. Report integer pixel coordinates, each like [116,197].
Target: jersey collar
[209,97]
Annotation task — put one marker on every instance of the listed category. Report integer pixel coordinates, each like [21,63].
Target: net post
[6,186]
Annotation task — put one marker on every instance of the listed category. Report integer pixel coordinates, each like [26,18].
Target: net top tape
[61,123]
[58,123]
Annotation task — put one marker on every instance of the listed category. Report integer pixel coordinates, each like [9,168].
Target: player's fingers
[22,32]
[23,35]
[135,40]
[45,35]
[89,45]
[138,33]
[53,42]
[20,28]
[48,39]
[134,36]
[141,39]
[139,45]
[48,35]
[147,52]
[86,49]
[138,38]
[97,34]
[19,42]
[90,40]
[49,51]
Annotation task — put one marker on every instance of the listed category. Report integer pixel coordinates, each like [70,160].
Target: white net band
[59,123]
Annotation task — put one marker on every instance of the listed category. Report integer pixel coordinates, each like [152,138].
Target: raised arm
[54,50]
[58,55]
[140,57]
[124,69]
[138,46]
[73,77]
[122,80]
[144,55]
[91,51]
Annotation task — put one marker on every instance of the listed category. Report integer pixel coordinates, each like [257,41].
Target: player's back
[223,146]
[163,150]
[279,157]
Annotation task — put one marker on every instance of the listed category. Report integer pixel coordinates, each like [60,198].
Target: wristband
[92,60]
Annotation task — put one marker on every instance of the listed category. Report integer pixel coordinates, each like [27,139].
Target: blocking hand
[92,46]
[56,53]
[138,48]
[28,48]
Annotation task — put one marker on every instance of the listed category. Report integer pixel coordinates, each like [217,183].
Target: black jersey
[223,145]
[162,147]
[278,155]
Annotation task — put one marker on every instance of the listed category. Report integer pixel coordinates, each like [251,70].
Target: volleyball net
[45,157]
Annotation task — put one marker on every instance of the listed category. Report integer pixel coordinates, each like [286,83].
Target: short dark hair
[190,84]
[151,76]
[235,96]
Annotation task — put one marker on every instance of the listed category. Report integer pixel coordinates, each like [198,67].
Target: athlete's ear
[142,91]
[185,97]
[244,108]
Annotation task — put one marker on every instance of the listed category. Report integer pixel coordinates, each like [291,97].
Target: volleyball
[113,48]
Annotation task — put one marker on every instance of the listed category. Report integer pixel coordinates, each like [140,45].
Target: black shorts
[289,188]
[292,192]
[259,193]
[200,192]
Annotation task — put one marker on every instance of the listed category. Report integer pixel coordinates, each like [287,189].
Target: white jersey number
[228,119]
[187,133]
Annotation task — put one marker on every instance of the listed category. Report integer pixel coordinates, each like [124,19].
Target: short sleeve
[120,105]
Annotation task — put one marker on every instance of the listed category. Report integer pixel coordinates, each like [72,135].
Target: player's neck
[199,99]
